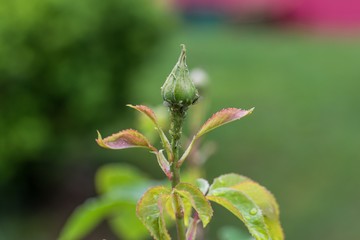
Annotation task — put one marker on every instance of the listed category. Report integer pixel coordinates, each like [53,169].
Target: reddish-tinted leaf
[128,138]
[150,114]
[163,163]
[222,117]
[145,110]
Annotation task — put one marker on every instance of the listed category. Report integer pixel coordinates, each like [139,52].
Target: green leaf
[125,185]
[128,138]
[267,203]
[85,218]
[203,185]
[222,117]
[150,211]
[243,208]
[197,199]
[227,180]
[231,233]
[118,202]
[126,224]
[170,209]
[186,153]
[116,175]
[258,201]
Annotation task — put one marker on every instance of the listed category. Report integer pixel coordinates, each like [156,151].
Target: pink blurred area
[325,13]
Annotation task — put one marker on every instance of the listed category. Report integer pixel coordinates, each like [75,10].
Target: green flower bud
[179,89]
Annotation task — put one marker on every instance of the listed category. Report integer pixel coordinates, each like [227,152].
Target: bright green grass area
[303,140]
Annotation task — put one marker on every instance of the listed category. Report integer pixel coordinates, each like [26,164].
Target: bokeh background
[68,68]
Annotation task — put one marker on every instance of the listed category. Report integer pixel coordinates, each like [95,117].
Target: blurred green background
[68,68]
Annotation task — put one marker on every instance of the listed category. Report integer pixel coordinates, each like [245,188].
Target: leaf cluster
[186,202]
[121,187]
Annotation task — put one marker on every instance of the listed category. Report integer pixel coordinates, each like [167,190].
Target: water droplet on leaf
[253,211]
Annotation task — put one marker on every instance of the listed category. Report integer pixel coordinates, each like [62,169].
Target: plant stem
[178,114]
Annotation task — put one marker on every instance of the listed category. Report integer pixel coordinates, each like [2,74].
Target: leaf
[267,203]
[85,218]
[218,119]
[121,187]
[203,185]
[192,194]
[125,185]
[126,225]
[222,117]
[227,180]
[231,233]
[150,211]
[186,153]
[258,194]
[165,143]
[147,111]
[243,208]
[186,205]
[163,163]
[150,113]
[118,202]
[116,175]
[128,138]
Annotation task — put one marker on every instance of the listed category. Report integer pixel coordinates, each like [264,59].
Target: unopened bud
[179,89]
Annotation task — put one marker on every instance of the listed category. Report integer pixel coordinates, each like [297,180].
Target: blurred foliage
[119,187]
[65,69]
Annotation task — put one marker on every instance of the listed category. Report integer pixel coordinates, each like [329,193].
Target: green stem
[177,118]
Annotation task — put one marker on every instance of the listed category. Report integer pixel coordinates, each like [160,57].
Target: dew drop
[253,211]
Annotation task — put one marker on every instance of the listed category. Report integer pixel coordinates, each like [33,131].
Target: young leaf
[128,138]
[197,199]
[150,113]
[165,142]
[258,194]
[243,208]
[150,211]
[186,153]
[222,117]
[164,164]
[145,110]
[203,185]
